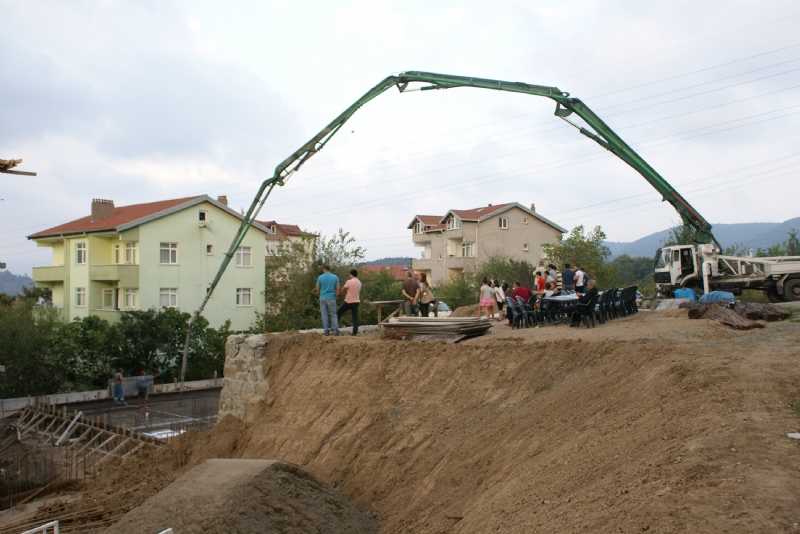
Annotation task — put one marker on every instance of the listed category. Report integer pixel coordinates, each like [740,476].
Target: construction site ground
[650,423]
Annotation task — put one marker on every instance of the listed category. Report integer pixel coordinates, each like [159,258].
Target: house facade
[460,239]
[279,235]
[156,255]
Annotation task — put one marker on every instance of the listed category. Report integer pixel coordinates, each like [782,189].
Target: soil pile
[467,311]
[653,423]
[247,496]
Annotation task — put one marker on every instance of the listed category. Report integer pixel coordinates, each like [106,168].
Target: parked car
[443,309]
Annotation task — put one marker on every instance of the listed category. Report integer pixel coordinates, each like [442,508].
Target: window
[169,297]
[202,216]
[243,297]
[503,223]
[108,299]
[273,248]
[243,257]
[130,253]
[271,229]
[525,247]
[525,220]
[468,250]
[419,227]
[209,250]
[80,297]
[453,223]
[169,253]
[440,256]
[80,253]
[130,299]
[117,253]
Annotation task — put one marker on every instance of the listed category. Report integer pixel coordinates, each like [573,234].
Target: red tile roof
[122,215]
[288,229]
[435,228]
[397,271]
[477,213]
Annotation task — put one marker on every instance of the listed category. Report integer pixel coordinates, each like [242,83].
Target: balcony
[424,265]
[459,262]
[126,275]
[55,273]
[112,316]
[422,238]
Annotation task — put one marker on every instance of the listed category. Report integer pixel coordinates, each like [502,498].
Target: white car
[443,309]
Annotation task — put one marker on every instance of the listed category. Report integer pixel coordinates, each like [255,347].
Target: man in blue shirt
[328,289]
[568,278]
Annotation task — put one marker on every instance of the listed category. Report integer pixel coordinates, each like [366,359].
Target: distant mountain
[751,235]
[11,284]
[390,261]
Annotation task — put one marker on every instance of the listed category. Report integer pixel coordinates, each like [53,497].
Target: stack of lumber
[765,312]
[451,329]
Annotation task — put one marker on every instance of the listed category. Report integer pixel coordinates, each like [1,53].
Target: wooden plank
[95,438]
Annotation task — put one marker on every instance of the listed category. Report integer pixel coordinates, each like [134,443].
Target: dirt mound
[467,311]
[652,423]
[247,496]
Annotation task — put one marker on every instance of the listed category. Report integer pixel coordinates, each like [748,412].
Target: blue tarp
[718,296]
[685,293]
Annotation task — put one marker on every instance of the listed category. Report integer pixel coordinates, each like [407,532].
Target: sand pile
[247,496]
[466,311]
[653,423]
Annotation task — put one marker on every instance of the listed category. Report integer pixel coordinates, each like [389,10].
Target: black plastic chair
[536,314]
[526,311]
[515,314]
[587,311]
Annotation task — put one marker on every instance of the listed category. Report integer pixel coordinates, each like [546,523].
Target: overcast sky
[145,101]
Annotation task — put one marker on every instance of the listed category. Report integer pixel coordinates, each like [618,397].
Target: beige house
[279,235]
[461,239]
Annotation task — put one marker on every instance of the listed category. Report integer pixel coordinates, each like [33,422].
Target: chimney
[223,199]
[490,205]
[102,208]
[533,207]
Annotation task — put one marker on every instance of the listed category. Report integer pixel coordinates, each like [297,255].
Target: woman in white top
[500,297]
[486,296]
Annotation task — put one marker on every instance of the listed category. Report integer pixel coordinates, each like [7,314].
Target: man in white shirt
[579,280]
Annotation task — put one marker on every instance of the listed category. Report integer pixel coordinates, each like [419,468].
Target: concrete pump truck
[699,266]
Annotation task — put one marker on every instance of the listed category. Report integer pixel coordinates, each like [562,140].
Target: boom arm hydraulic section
[565,106]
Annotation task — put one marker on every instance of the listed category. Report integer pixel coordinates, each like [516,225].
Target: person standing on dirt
[116,388]
[142,387]
[504,285]
[328,289]
[424,295]
[486,298]
[409,289]
[580,280]
[352,293]
[500,297]
[568,278]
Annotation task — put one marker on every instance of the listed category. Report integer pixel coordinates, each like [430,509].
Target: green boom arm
[565,106]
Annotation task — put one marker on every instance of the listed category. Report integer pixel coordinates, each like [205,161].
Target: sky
[145,101]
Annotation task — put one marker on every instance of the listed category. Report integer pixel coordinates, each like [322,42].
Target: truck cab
[675,266]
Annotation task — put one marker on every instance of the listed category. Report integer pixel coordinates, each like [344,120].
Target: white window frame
[110,293]
[80,254]
[116,254]
[242,254]
[130,298]
[80,297]
[273,248]
[244,296]
[172,254]
[454,223]
[503,223]
[525,220]
[130,253]
[440,256]
[271,229]
[525,247]
[419,228]
[171,293]
[209,250]
[467,250]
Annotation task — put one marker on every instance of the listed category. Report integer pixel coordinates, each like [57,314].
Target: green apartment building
[156,255]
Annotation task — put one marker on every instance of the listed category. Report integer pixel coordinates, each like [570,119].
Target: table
[382,303]
[556,305]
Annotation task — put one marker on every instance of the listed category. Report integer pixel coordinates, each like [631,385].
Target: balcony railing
[54,273]
[126,275]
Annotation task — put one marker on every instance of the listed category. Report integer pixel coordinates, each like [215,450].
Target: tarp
[685,293]
[718,296]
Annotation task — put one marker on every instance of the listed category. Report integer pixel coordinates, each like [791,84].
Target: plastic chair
[515,314]
[526,311]
[586,311]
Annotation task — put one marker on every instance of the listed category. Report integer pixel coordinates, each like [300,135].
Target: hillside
[752,235]
[11,284]
[390,261]
[651,423]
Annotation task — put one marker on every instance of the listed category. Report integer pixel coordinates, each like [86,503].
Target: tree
[500,267]
[85,351]
[680,234]
[586,250]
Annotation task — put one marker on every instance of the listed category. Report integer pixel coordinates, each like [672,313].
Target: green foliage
[43,355]
[498,267]
[463,289]
[637,270]
[679,235]
[737,249]
[586,250]
[790,247]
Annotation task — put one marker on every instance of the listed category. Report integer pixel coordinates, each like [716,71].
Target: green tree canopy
[585,249]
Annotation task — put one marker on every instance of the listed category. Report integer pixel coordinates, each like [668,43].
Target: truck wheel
[791,290]
[773,297]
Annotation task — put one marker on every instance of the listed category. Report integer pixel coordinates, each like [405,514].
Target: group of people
[142,387]
[548,282]
[417,295]
[328,289]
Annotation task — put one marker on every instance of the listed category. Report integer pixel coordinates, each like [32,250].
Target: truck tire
[791,290]
[774,297]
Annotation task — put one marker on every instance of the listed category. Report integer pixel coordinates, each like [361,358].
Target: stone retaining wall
[244,383]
